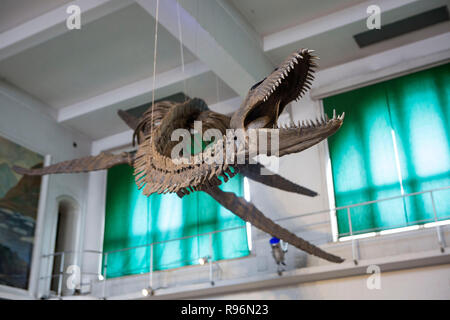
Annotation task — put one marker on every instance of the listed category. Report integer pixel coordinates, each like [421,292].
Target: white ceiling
[79,73]
[16,12]
[337,46]
[105,54]
[268,16]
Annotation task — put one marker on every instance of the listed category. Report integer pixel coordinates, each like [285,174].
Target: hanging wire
[217,78]
[196,195]
[153,104]
[149,235]
[180,36]
[154,62]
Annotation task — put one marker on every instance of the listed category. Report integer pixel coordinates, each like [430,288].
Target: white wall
[420,283]
[27,122]
[94,224]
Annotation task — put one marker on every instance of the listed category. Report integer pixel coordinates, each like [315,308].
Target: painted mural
[19,197]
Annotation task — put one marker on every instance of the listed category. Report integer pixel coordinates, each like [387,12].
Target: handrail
[241,227]
[71,252]
[392,198]
[175,239]
[105,254]
[361,204]
[397,226]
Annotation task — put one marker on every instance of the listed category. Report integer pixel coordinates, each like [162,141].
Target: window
[133,220]
[394,141]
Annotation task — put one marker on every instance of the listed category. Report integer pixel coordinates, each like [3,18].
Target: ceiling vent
[401,27]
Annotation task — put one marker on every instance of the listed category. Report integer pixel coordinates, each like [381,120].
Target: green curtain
[133,219]
[420,113]
[415,110]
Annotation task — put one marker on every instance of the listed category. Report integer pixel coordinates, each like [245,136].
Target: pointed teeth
[341,117]
[307,124]
[334,114]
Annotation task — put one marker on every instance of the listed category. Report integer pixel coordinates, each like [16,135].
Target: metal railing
[435,217]
[103,274]
[62,263]
[209,258]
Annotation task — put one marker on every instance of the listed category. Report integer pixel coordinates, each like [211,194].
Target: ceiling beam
[327,23]
[53,24]
[132,94]
[215,33]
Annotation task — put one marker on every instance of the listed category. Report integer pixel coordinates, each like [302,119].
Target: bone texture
[87,164]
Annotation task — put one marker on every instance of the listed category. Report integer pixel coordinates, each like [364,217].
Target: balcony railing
[102,275]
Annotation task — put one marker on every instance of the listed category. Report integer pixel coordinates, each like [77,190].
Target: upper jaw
[288,82]
[291,79]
